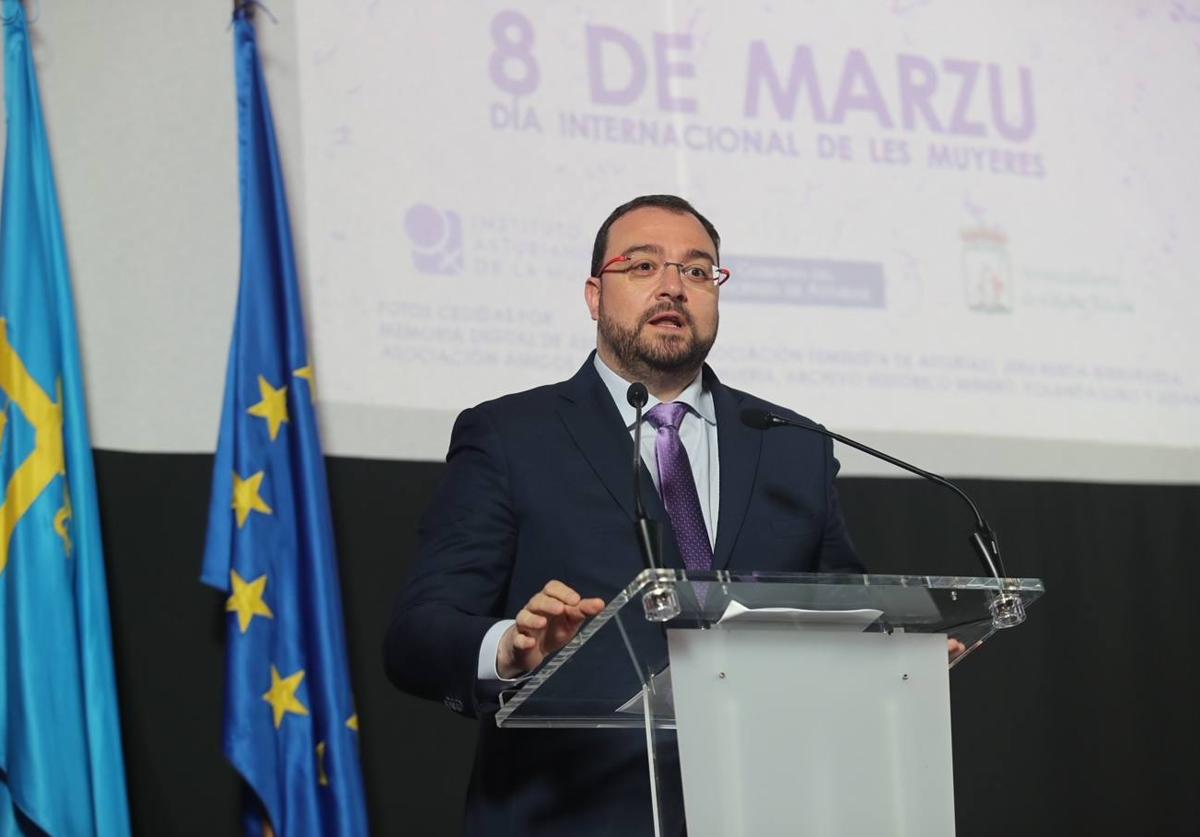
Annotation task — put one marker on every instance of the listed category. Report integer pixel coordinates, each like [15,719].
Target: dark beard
[647,357]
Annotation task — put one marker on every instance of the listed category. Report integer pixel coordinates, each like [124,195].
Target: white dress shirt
[697,431]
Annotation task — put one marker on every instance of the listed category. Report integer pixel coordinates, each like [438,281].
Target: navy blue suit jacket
[537,487]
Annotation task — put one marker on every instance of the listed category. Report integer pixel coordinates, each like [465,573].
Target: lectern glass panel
[614,673]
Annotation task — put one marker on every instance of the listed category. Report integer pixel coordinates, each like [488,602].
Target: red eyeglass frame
[616,259]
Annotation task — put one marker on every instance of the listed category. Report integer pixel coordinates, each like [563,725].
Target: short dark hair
[671,203]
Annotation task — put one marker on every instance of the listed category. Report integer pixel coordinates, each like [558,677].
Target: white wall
[139,104]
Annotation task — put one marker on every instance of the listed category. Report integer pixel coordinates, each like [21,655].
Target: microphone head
[637,396]
[758,419]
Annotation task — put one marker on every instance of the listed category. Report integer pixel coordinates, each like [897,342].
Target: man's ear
[591,295]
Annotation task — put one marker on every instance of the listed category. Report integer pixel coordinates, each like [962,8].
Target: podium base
[823,732]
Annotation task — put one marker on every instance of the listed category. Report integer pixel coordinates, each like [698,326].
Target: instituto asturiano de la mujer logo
[987,273]
[436,237]
[38,469]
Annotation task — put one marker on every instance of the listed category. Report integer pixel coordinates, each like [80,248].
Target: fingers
[558,591]
[585,608]
[591,606]
[547,622]
[523,642]
[555,589]
[546,605]
[553,600]
[529,621]
[556,600]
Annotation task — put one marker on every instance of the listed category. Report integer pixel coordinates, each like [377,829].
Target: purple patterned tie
[678,487]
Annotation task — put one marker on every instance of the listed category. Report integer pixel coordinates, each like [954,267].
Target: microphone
[983,539]
[645,529]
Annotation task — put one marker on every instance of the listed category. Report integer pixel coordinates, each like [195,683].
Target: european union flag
[61,769]
[290,724]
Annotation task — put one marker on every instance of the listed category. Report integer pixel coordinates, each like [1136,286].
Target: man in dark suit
[532,527]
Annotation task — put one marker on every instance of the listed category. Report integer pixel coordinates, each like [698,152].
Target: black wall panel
[1083,721]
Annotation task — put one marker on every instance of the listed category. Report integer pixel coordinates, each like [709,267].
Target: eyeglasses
[697,273]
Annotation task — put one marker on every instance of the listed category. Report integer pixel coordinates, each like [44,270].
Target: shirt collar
[695,395]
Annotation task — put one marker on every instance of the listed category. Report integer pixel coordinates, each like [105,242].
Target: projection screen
[950,226]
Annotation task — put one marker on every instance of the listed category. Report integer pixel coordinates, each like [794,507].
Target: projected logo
[987,276]
[436,238]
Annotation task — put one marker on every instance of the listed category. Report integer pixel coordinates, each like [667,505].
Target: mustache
[666,308]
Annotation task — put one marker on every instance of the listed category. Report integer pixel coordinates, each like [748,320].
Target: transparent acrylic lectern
[799,703]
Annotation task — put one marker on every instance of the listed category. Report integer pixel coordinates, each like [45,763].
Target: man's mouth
[668,319]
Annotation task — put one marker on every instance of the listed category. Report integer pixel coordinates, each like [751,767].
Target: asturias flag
[290,723]
[61,769]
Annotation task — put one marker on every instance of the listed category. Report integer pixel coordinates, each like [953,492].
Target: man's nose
[670,281]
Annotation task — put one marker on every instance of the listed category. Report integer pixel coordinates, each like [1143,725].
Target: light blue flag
[60,739]
[290,725]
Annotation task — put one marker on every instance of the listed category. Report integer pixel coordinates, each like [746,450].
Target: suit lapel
[595,425]
[738,447]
